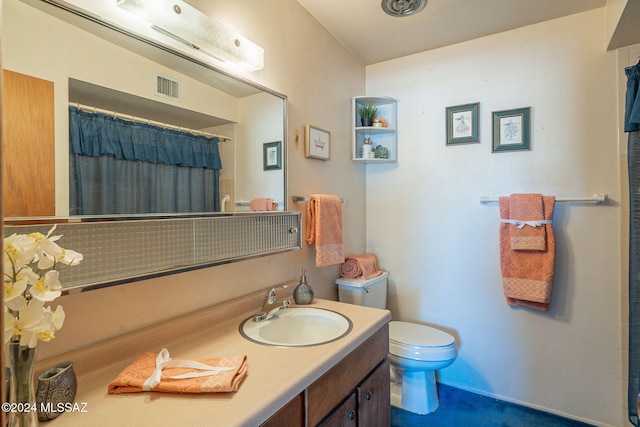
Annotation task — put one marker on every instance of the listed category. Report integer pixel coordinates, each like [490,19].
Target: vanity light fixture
[400,8]
[186,24]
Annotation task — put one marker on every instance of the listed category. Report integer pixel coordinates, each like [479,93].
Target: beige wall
[319,76]
[448,271]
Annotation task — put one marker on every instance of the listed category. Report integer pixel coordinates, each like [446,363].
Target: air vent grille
[401,8]
[167,87]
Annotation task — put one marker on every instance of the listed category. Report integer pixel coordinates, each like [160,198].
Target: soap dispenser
[303,294]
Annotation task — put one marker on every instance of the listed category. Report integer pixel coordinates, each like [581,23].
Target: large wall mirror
[71,70]
[63,65]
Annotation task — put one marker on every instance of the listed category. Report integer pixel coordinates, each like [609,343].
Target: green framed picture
[512,130]
[272,155]
[462,124]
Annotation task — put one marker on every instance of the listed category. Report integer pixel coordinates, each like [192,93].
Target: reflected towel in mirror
[263,204]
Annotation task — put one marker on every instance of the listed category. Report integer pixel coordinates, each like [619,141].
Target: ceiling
[374,36]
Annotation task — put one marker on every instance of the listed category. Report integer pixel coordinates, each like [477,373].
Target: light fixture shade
[182,22]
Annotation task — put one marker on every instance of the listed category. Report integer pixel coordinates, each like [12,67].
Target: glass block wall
[125,250]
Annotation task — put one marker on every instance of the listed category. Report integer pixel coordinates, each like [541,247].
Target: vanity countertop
[275,375]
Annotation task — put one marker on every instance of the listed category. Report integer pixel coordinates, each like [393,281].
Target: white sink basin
[297,327]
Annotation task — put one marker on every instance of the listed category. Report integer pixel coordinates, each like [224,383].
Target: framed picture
[272,155]
[511,130]
[318,143]
[462,124]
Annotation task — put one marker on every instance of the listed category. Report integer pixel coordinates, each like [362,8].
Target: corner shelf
[384,136]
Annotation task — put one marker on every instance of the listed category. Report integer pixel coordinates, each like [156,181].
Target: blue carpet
[462,408]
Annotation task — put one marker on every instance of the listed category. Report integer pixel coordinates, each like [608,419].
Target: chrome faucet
[271,306]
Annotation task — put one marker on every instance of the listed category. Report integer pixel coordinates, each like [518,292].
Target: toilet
[415,351]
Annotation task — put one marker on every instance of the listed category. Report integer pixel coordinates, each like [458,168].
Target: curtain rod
[92,109]
[596,198]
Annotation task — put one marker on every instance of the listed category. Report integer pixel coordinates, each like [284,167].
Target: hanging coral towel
[324,228]
[151,372]
[527,249]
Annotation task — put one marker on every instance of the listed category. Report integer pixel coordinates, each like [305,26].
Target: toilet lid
[414,335]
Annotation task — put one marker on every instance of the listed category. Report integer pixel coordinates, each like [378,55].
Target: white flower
[46,250]
[19,251]
[28,323]
[45,327]
[13,290]
[9,322]
[47,288]
[54,319]
[69,257]
[30,281]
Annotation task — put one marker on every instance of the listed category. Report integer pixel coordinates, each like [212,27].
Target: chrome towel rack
[596,198]
[306,199]
[248,202]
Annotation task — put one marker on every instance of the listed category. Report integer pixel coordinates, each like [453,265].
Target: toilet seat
[420,342]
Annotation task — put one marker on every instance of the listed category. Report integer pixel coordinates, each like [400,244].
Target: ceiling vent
[167,87]
[403,7]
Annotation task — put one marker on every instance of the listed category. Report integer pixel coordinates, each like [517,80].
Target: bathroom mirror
[94,65]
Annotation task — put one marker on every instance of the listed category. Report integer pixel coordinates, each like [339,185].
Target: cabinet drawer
[291,415]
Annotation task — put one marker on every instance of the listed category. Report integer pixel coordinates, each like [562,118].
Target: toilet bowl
[415,351]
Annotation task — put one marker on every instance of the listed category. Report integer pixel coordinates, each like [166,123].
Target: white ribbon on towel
[534,223]
[164,361]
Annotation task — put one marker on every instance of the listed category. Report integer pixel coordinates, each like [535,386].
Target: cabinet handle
[351,415]
[368,395]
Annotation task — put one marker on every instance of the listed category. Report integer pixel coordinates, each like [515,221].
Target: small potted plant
[367,112]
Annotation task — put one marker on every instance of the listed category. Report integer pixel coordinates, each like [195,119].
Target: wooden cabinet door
[345,416]
[28,138]
[374,399]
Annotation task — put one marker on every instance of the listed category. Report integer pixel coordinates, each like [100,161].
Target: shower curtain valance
[96,134]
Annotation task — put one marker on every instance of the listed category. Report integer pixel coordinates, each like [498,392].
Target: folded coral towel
[151,372]
[324,228]
[360,265]
[527,259]
[262,204]
[527,218]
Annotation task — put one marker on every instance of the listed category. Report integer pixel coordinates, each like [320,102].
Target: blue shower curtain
[123,167]
[632,125]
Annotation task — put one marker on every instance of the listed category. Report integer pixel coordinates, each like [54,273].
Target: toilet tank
[367,292]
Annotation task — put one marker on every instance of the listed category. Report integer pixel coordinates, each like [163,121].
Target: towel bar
[596,198]
[248,202]
[306,199]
